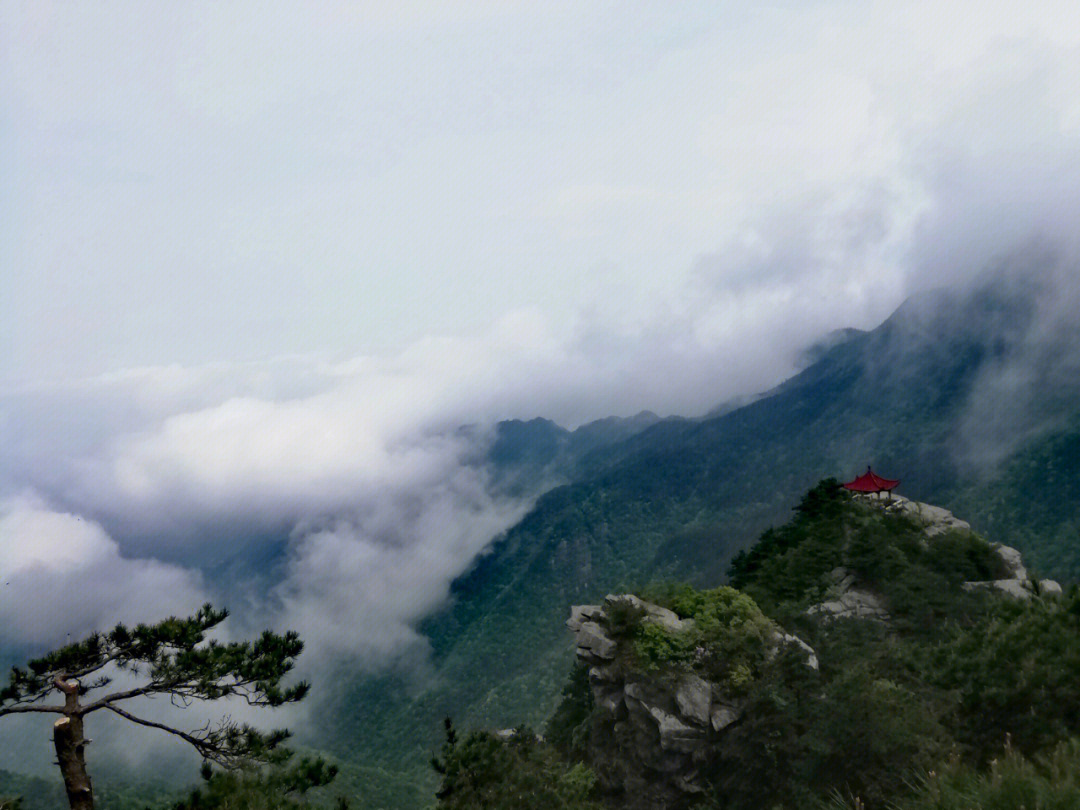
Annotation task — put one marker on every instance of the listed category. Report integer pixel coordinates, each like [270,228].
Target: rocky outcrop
[848,602]
[1049,587]
[845,600]
[651,732]
[1018,583]
[1014,564]
[785,639]
[935,519]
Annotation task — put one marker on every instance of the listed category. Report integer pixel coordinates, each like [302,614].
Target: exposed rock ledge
[851,602]
[936,519]
[1018,583]
[650,733]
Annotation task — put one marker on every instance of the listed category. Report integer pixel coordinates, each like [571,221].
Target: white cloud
[61,577]
[357,586]
[554,212]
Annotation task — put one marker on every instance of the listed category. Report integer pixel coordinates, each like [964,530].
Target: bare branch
[200,745]
[24,709]
[106,702]
[180,701]
[230,745]
[30,700]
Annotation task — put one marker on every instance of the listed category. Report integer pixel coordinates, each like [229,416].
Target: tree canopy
[173,657]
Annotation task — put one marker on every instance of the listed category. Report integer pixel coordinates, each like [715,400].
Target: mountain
[863,647]
[526,455]
[930,396]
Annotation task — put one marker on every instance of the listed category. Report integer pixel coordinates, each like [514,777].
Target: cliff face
[653,729]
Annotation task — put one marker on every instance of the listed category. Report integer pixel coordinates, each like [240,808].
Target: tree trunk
[70,747]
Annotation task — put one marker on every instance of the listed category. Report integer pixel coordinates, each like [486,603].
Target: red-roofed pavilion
[871,482]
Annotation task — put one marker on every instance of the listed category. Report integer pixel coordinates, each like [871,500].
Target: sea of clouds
[125,495]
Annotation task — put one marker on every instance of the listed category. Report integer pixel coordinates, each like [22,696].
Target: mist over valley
[407,329]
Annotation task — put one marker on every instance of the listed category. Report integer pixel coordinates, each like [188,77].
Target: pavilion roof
[870,481]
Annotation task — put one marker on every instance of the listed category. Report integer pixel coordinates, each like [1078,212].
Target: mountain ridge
[679,498]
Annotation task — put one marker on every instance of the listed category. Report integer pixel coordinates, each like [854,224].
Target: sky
[196,183]
[259,260]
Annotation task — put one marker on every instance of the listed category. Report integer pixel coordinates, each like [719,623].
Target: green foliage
[31,792]
[484,772]
[728,642]
[887,552]
[568,727]
[173,657]
[1047,782]
[624,619]
[822,505]
[950,672]
[803,737]
[1014,673]
[659,649]
[110,793]
[278,788]
[1035,501]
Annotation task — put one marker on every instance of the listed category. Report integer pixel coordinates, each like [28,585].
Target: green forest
[960,698]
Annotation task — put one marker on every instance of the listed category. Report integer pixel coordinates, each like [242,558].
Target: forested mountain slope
[680,498]
[867,654]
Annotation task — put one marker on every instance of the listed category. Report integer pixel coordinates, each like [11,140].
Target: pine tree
[172,658]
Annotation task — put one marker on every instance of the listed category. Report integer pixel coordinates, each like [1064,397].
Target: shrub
[729,642]
[1014,673]
[484,772]
[1048,782]
[802,738]
[568,727]
[624,619]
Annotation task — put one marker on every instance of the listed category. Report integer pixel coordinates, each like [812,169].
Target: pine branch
[230,746]
[30,708]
